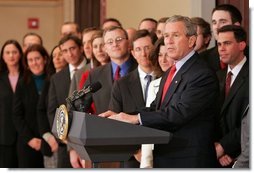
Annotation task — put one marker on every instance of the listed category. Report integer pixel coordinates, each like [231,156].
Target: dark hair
[70,37]
[115,28]
[154,56]
[233,11]
[3,66]
[143,33]
[204,26]
[97,34]
[37,48]
[112,20]
[239,33]
[51,68]
[32,34]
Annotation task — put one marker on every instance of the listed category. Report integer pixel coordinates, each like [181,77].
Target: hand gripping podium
[105,140]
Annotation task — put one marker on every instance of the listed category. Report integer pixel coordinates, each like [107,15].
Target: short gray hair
[191,29]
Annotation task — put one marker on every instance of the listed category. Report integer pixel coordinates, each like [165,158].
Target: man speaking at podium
[185,103]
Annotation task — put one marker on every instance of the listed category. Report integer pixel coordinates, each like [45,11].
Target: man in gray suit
[242,160]
[71,48]
[117,46]
[87,49]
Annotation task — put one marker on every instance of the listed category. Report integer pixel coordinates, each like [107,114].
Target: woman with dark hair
[10,73]
[26,98]
[161,62]
[56,63]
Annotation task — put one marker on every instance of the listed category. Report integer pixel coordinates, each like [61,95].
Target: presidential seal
[62,122]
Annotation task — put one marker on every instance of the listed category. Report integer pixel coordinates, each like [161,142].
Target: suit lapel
[177,80]
[239,81]
[135,89]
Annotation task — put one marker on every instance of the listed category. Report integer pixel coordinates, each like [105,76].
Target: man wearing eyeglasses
[117,46]
[130,92]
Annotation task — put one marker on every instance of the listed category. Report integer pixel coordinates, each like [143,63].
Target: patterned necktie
[228,82]
[149,79]
[168,81]
[117,73]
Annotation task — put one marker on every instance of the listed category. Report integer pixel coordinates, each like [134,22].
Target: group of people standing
[159,76]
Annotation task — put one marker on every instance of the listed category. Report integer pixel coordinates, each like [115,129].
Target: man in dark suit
[71,47]
[222,15]
[117,46]
[130,92]
[234,83]
[187,106]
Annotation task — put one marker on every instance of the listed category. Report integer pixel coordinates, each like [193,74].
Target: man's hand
[225,160]
[133,119]
[137,155]
[35,143]
[107,114]
[75,160]
[52,143]
[219,150]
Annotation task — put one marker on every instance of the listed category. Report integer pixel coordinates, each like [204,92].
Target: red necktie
[117,73]
[228,82]
[168,81]
[222,65]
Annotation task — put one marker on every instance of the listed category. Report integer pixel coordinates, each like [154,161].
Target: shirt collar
[142,74]
[238,67]
[180,63]
[82,64]
[124,67]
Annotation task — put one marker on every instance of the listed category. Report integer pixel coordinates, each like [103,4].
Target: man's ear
[242,45]
[192,40]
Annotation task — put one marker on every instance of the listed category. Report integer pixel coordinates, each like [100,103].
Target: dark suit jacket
[212,57]
[188,112]
[25,119]
[8,135]
[232,110]
[58,92]
[42,118]
[127,95]
[103,74]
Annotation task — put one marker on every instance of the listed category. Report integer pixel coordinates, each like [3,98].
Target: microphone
[79,95]
[90,88]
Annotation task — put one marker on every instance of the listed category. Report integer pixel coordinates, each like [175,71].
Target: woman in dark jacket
[10,73]
[25,107]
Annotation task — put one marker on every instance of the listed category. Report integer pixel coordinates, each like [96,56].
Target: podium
[101,139]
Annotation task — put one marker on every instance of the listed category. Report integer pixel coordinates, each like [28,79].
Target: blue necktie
[149,79]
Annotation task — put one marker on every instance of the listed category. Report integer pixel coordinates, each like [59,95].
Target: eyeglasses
[117,40]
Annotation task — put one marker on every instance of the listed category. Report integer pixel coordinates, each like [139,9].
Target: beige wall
[131,12]
[52,13]
[14,15]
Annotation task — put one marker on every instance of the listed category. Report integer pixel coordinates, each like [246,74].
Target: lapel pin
[176,81]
